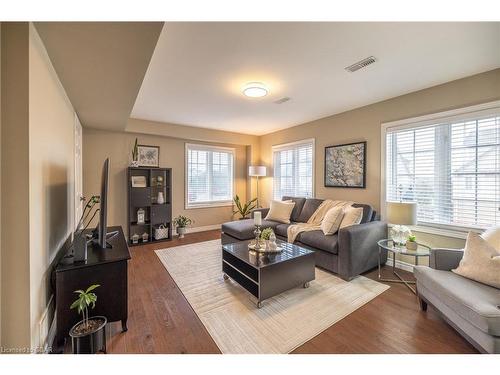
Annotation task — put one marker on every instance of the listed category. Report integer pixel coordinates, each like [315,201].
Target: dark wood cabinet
[106,267]
[154,196]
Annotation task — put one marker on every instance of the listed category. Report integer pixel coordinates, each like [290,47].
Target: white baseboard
[401,265]
[51,336]
[203,229]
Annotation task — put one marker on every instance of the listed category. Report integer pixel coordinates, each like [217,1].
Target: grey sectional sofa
[350,252]
[472,308]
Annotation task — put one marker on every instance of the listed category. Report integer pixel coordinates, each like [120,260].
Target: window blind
[209,175]
[293,169]
[451,168]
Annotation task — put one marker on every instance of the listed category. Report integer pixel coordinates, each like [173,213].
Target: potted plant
[135,155]
[88,336]
[181,222]
[411,243]
[244,209]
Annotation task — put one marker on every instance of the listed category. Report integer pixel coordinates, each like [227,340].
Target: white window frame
[464,113]
[199,146]
[283,146]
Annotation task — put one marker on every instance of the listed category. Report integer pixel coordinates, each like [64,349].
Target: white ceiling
[198,69]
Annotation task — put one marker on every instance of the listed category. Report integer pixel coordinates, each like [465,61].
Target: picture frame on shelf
[139,181]
[345,165]
[148,156]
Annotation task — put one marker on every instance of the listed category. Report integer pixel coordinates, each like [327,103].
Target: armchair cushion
[473,301]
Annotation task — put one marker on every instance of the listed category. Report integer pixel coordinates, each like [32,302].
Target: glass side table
[389,245]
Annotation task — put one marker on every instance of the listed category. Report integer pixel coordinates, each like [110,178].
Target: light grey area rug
[282,324]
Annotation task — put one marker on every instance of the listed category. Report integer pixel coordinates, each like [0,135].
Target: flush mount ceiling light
[255,90]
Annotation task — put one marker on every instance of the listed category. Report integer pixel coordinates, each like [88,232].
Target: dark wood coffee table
[266,275]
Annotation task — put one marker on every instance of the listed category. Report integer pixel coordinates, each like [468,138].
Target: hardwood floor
[162,321]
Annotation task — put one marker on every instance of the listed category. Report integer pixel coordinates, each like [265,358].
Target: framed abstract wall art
[148,156]
[345,165]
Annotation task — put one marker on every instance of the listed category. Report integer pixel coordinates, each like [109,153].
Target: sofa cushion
[299,204]
[310,206]
[281,229]
[475,302]
[318,240]
[243,229]
[367,212]
[280,211]
[352,216]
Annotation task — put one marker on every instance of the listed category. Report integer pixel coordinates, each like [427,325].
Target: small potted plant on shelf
[88,336]
[411,242]
[181,222]
[244,209]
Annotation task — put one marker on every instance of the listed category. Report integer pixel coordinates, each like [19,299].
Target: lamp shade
[257,171]
[402,213]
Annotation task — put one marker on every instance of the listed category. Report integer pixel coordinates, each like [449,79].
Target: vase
[181,231]
[161,198]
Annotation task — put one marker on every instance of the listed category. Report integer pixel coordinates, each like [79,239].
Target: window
[293,169]
[449,165]
[209,176]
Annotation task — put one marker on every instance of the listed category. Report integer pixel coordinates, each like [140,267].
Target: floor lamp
[257,171]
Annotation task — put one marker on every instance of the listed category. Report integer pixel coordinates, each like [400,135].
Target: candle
[257,218]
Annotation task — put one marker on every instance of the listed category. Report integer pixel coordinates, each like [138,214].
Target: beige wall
[364,124]
[100,144]
[0,183]
[51,161]
[37,184]
[15,274]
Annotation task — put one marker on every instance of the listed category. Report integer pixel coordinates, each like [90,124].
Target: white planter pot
[181,231]
[412,246]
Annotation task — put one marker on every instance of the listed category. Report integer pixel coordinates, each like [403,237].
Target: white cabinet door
[78,171]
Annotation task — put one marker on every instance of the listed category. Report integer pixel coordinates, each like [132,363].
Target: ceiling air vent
[361,64]
[282,100]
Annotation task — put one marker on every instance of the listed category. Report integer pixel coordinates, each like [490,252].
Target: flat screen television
[100,234]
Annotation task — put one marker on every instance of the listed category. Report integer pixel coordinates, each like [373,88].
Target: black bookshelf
[157,180]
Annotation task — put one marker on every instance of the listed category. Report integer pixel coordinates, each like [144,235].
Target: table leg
[379,254]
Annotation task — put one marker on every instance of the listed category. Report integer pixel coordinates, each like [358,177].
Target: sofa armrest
[263,210]
[445,259]
[358,249]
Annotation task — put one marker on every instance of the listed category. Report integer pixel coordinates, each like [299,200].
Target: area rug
[282,324]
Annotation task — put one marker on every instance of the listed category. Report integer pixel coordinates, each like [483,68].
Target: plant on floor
[244,209]
[85,300]
[182,221]
[266,233]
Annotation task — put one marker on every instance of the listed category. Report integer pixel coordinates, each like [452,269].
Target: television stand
[106,267]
